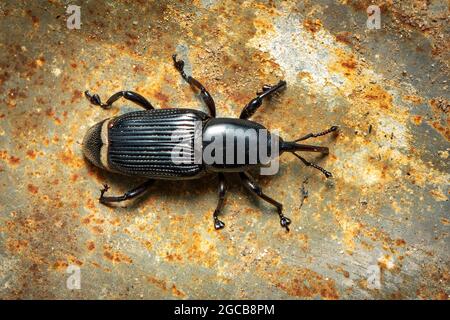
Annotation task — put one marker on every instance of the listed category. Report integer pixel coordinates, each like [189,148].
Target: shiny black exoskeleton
[172,144]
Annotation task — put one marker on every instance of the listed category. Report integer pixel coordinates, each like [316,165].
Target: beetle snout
[92,144]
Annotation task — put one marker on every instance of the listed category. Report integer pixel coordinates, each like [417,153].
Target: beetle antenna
[315,135]
[310,164]
[291,146]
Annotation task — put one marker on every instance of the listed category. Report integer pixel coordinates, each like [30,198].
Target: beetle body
[148,143]
[177,144]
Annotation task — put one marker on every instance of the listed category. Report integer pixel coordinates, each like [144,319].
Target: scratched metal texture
[386,209]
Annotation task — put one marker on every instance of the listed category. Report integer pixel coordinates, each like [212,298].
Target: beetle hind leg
[256,189]
[129,95]
[131,194]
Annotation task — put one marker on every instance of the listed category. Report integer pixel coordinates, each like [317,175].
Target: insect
[141,144]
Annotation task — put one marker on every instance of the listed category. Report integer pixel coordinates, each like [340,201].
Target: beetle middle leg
[256,189]
[131,194]
[255,103]
[129,95]
[222,191]
[206,97]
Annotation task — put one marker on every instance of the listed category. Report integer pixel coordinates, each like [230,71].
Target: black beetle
[141,144]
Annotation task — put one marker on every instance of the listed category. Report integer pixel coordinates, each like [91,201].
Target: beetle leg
[129,95]
[206,97]
[315,135]
[255,103]
[222,191]
[133,193]
[256,189]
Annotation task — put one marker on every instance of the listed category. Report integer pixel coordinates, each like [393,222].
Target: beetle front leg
[222,191]
[255,103]
[250,183]
[129,95]
[206,97]
[133,193]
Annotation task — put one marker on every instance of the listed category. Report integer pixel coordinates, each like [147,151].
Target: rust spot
[178,293]
[344,37]
[412,98]
[444,131]
[445,221]
[308,283]
[400,242]
[32,189]
[17,246]
[14,160]
[312,25]
[159,283]
[115,256]
[97,229]
[74,177]
[34,19]
[31,154]
[60,265]
[76,95]
[90,245]
[161,97]
[417,120]
[350,63]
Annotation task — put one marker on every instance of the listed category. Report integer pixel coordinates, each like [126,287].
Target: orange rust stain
[344,37]
[60,265]
[34,19]
[70,159]
[445,221]
[177,292]
[444,131]
[74,261]
[345,64]
[90,204]
[97,230]
[31,154]
[412,98]
[377,96]
[32,188]
[90,245]
[76,95]
[74,177]
[312,25]
[263,26]
[400,242]
[17,246]
[161,97]
[174,256]
[115,256]
[438,195]
[159,283]
[308,283]
[417,120]
[14,161]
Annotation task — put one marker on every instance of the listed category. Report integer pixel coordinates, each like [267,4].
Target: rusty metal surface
[387,206]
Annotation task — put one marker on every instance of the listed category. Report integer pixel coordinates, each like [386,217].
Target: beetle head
[93,143]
